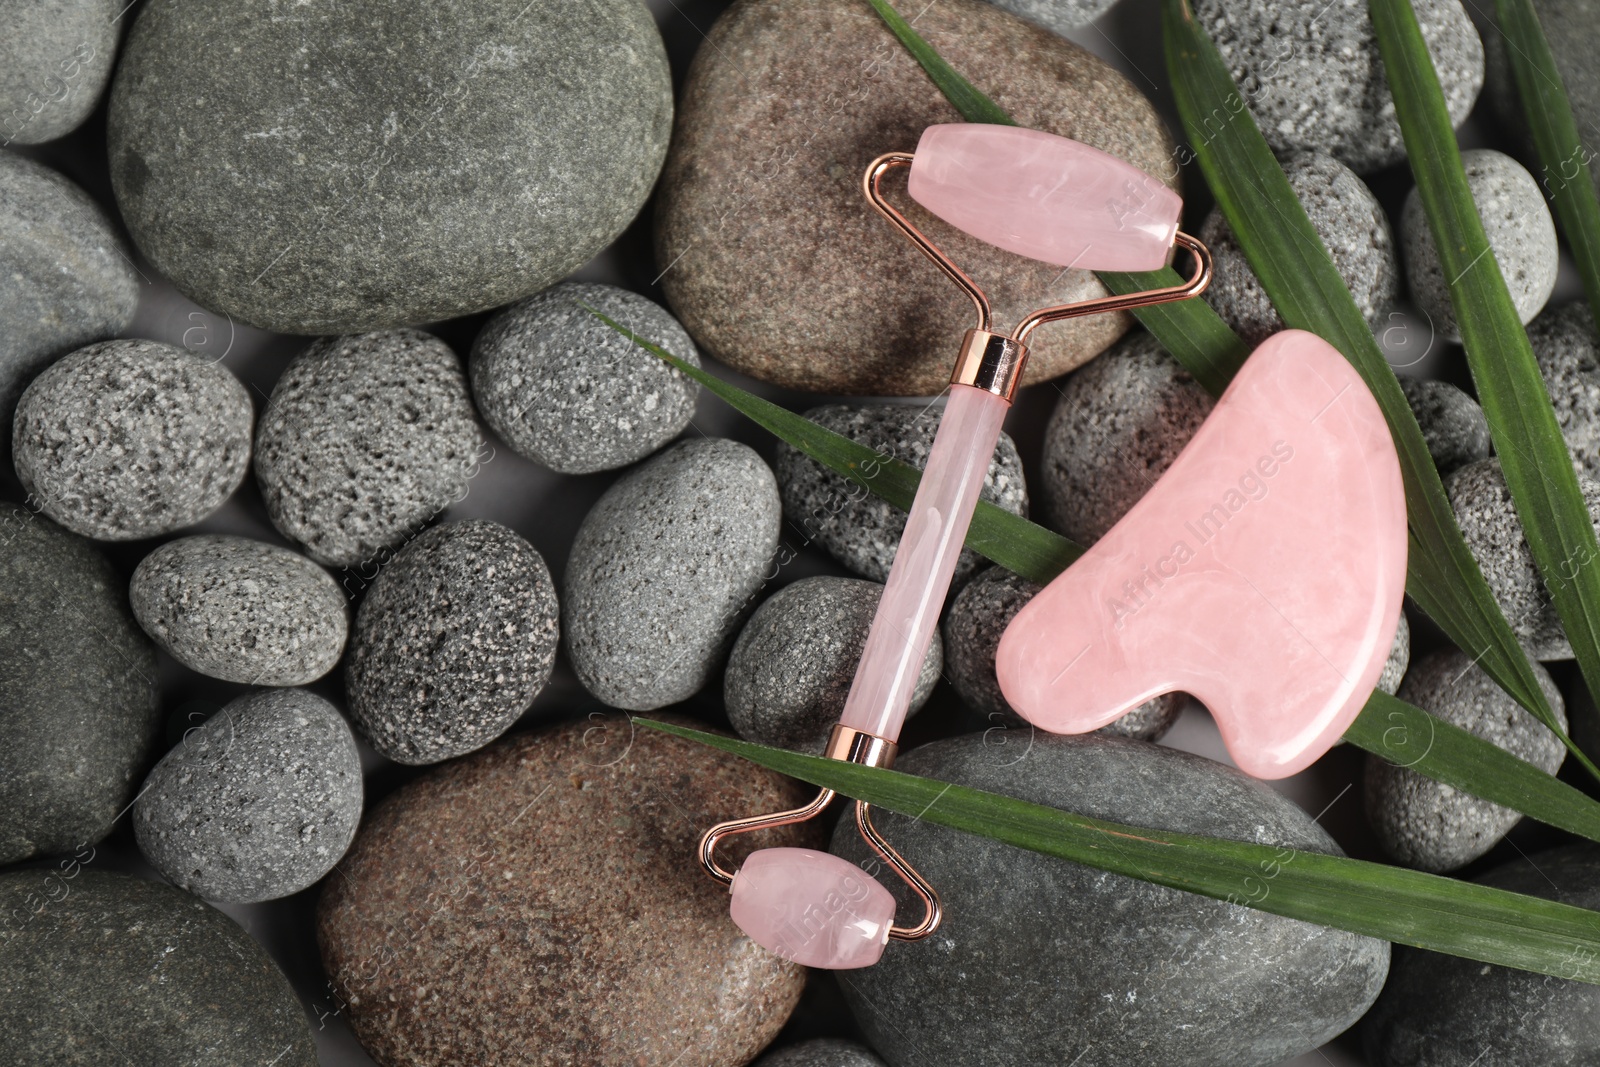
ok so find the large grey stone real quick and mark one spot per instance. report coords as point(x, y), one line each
point(366, 165)
point(55, 58)
point(1568, 350)
point(821, 1052)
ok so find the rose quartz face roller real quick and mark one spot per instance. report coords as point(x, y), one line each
point(1041, 196)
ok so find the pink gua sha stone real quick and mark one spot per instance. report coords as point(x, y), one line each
point(1262, 574)
point(1045, 197)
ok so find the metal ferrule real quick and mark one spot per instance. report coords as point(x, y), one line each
point(992, 362)
point(857, 746)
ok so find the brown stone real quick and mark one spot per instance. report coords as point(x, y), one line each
point(773, 259)
point(540, 902)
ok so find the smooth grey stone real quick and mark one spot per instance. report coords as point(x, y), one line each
point(1453, 425)
point(821, 1052)
point(857, 528)
point(364, 440)
point(1042, 962)
point(566, 390)
point(55, 58)
point(1118, 426)
point(1522, 238)
point(69, 278)
point(103, 968)
point(792, 666)
point(1353, 227)
point(80, 716)
point(663, 570)
point(977, 618)
point(1446, 1011)
point(1312, 77)
point(130, 439)
point(240, 610)
point(258, 803)
point(1568, 350)
point(1483, 507)
point(452, 642)
point(1435, 827)
point(366, 165)
point(1062, 16)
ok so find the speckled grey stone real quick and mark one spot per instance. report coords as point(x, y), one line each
point(365, 439)
point(568, 391)
point(1312, 77)
point(1399, 661)
point(367, 165)
point(1352, 225)
point(79, 716)
point(258, 803)
point(1453, 425)
point(977, 618)
point(1061, 16)
point(845, 519)
point(664, 569)
point(1446, 1011)
point(116, 969)
point(55, 58)
point(1488, 520)
point(240, 610)
point(1568, 350)
point(1521, 235)
point(791, 668)
point(1040, 962)
point(452, 643)
point(821, 1052)
point(131, 439)
point(1435, 827)
point(1118, 426)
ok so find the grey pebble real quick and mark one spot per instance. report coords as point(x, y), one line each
point(1399, 661)
point(1353, 227)
point(821, 1052)
point(1482, 505)
point(80, 717)
point(857, 528)
point(791, 668)
point(117, 969)
point(55, 59)
point(1119, 424)
point(1447, 1011)
point(1568, 350)
point(566, 390)
point(1453, 425)
point(1061, 16)
point(365, 440)
point(240, 610)
point(452, 642)
point(1041, 961)
point(130, 439)
point(977, 618)
point(258, 803)
point(1435, 827)
point(664, 569)
point(1312, 77)
point(1522, 237)
point(1570, 27)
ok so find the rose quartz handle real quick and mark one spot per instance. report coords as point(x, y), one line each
point(1045, 197)
point(924, 562)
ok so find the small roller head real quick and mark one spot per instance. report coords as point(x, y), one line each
point(813, 908)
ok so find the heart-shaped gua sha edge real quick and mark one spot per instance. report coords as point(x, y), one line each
point(1262, 574)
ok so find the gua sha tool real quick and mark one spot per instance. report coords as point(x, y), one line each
point(1042, 196)
point(1262, 574)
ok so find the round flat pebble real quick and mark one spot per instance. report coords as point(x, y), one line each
point(1453, 425)
point(821, 1052)
point(452, 643)
point(1118, 426)
point(1521, 235)
point(1488, 519)
point(240, 610)
point(1353, 227)
point(567, 390)
point(130, 439)
point(1568, 350)
point(845, 519)
point(1435, 827)
point(55, 59)
point(664, 569)
point(258, 803)
point(1312, 77)
point(364, 440)
point(1060, 16)
point(792, 666)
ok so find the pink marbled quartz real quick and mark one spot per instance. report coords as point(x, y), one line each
point(812, 907)
point(1262, 574)
point(1045, 197)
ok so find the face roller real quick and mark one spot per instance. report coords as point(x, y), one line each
point(1041, 196)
